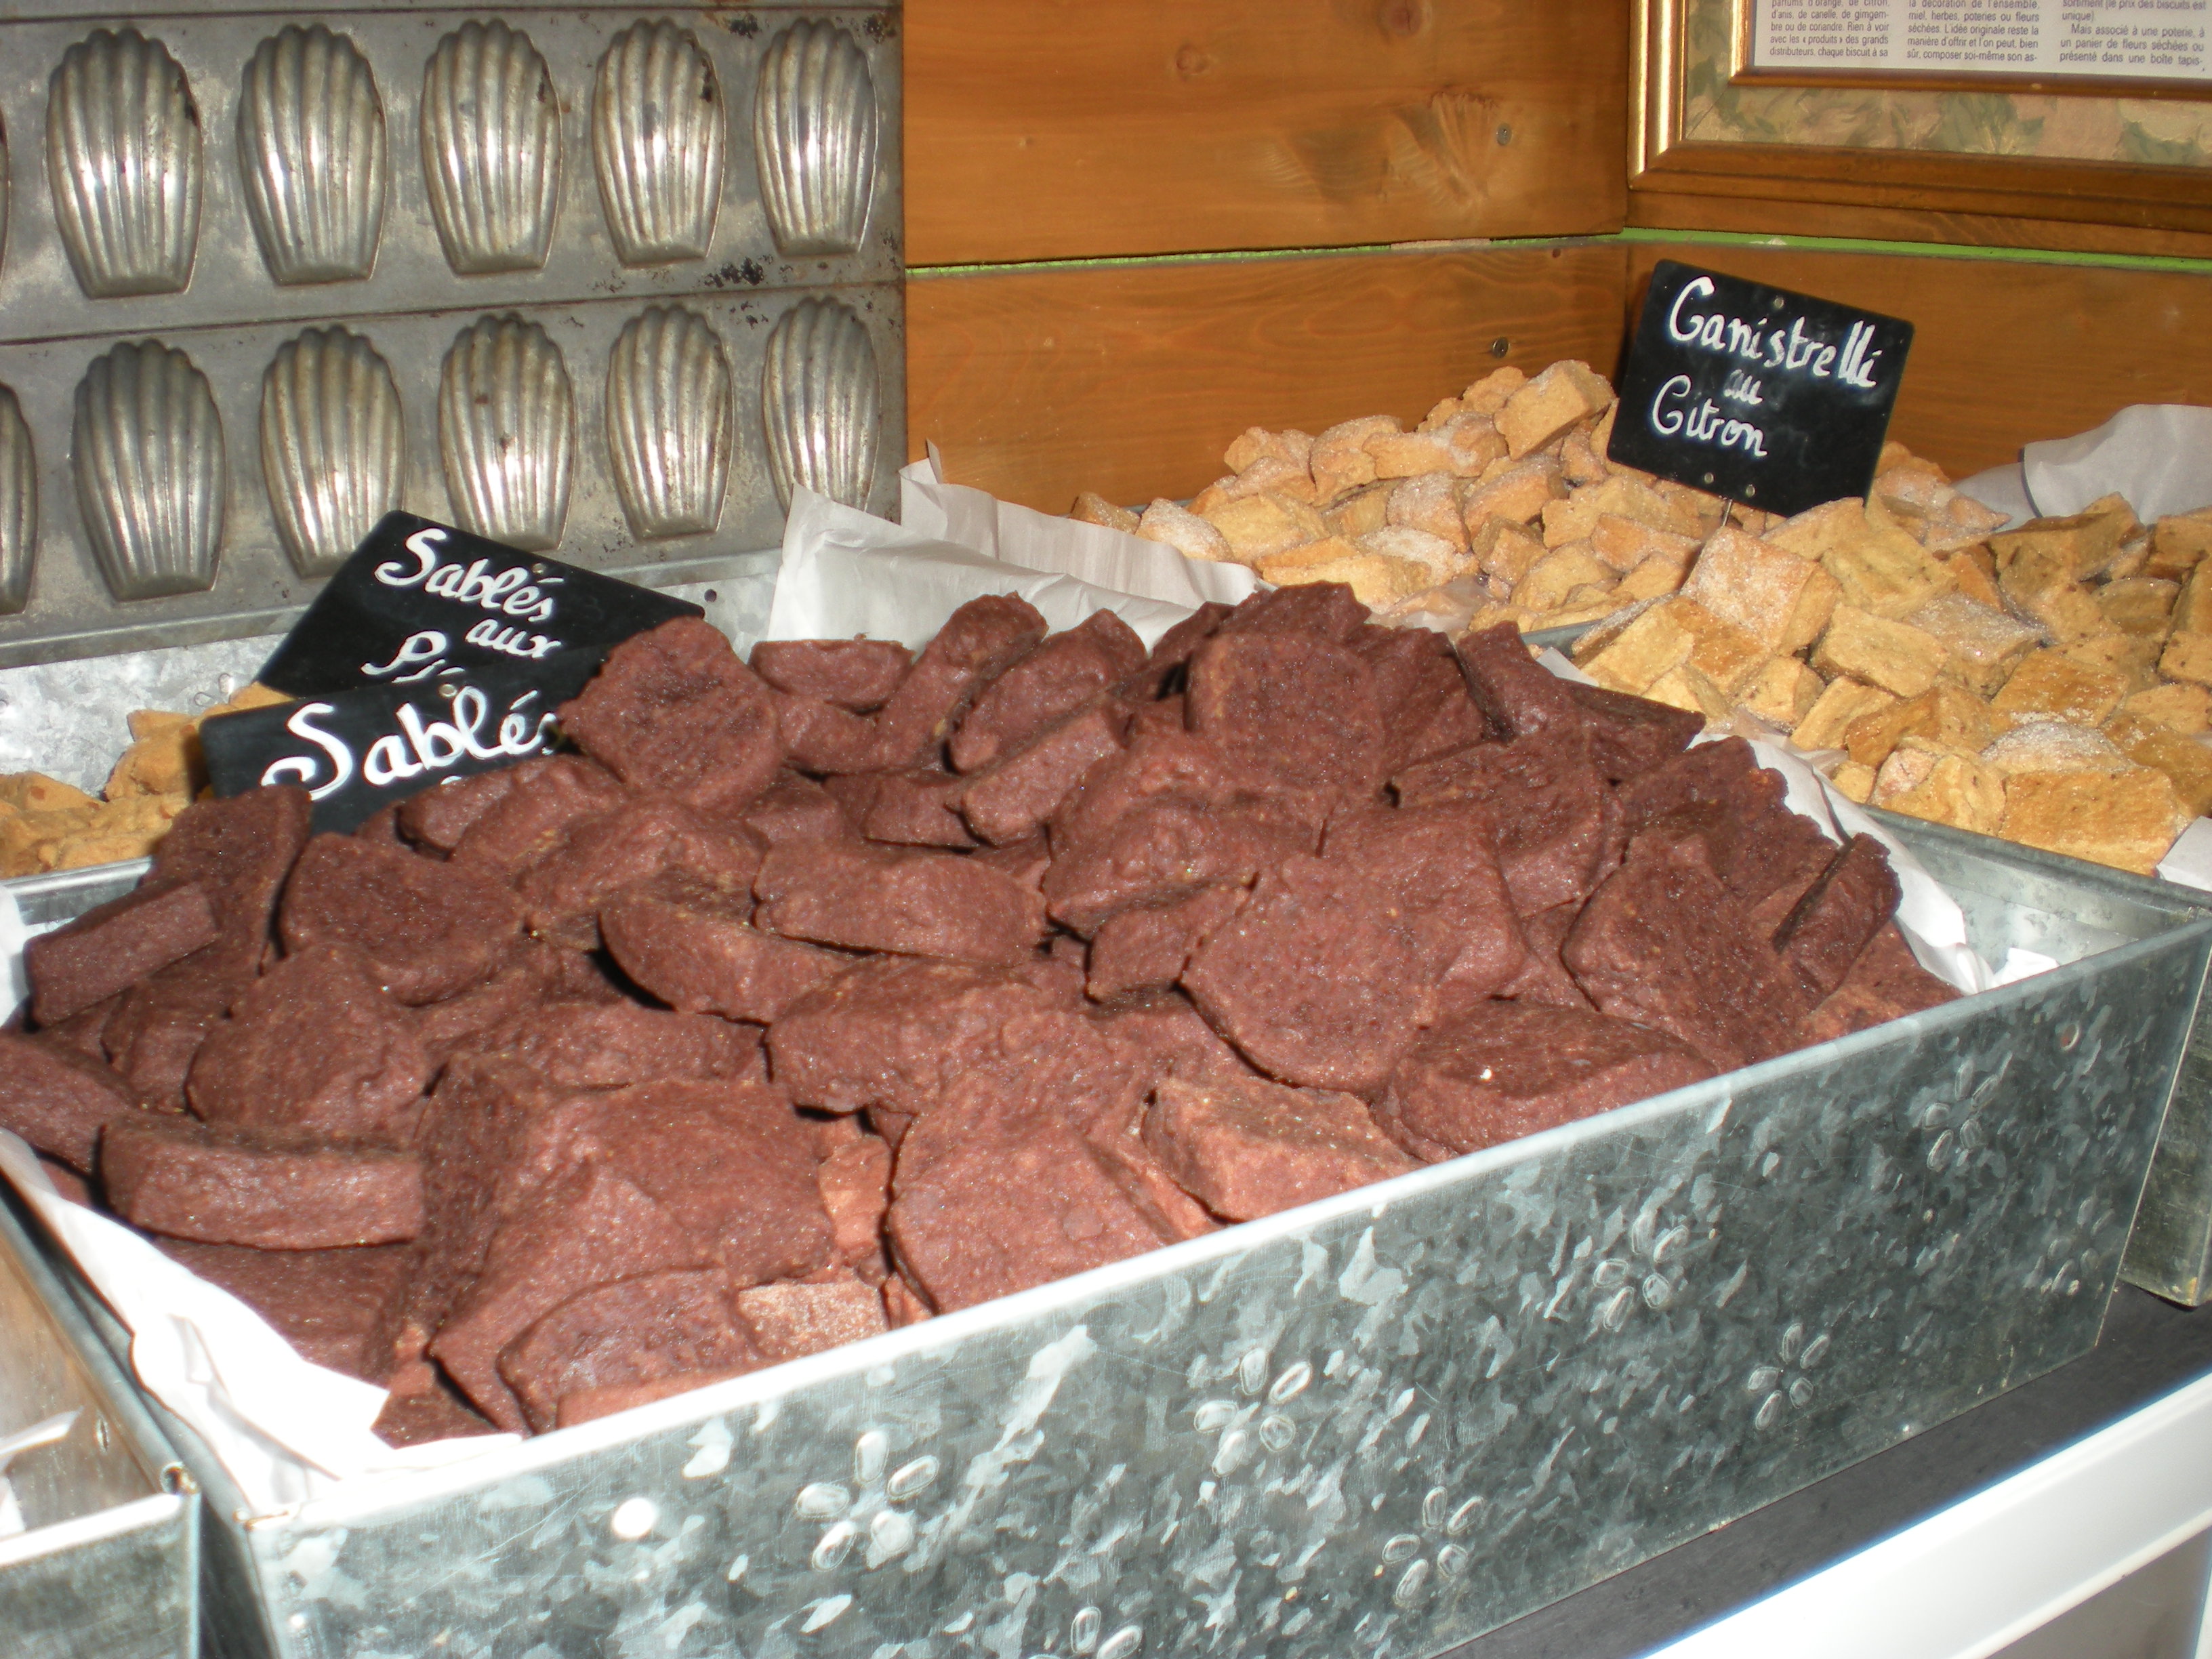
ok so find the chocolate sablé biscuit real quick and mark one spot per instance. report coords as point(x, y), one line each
point(675, 711)
point(240, 852)
point(718, 1043)
point(1420, 692)
point(633, 1331)
point(1314, 981)
point(634, 843)
point(1507, 1069)
point(273, 1188)
point(855, 674)
point(1248, 1147)
point(1439, 863)
point(795, 807)
point(611, 1045)
point(1831, 925)
point(795, 1317)
point(1045, 687)
point(1292, 706)
point(978, 642)
point(917, 807)
point(1162, 848)
point(522, 825)
point(1009, 799)
point(695, 949)
point(58, 1097)
point(338, 1308)
point(911, 902)
point(1146, 946)
point(112, 946)
point(315, 1043)
point(435, 820)
point(427, 930)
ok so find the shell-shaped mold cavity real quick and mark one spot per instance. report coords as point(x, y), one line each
point(820, 402)
point(311, 153)
point(507, 432)
point(814, 125)
point(19, 505)
point(332, 448)
point(659, 131)
point(146, 450)
point(491, 148)
point(668, 426)
point(123, 160)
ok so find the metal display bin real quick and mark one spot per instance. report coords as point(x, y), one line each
point(108, 1566)
point(1381, 1424)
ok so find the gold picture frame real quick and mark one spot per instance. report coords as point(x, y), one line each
point(1705, 124)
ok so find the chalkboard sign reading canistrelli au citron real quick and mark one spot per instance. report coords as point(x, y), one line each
point(1776, 399)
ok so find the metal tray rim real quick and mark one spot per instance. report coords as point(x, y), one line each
point(148, 1514)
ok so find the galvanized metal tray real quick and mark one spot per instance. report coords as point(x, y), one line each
point(1377, 1425)
point(109, 1567)
point(609, 279)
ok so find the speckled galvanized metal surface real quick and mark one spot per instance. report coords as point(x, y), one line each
point(1377, 1425)
point(2170, 1252)
point(108, 1566)
point(243, 318)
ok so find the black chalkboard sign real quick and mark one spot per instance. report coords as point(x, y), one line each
point(356, 752)
point(431, 654)
point(420, 600)
point(1775, 399)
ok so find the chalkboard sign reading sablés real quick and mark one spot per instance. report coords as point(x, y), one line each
point(431, 655)
point(1777, 400)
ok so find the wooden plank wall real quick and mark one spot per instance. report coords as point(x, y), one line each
point(1067, 129)
point(1055, 130)
point(1122, 219)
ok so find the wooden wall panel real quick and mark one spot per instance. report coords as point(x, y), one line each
point(1131, 379)
point(1060, 129)
point(2004, 353)
point(1759, 215)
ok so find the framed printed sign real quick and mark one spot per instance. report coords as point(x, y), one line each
point(2137, 46)
point(2096, 111)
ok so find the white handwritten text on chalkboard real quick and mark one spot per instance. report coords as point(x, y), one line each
point(1770, 349)
point(419, 746)
point(419, 601)
point(1753, 392)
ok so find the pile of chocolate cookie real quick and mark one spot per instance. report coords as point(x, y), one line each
point(821, 994)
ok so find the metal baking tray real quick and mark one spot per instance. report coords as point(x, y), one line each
point(607, 279)
point(1379, 1423)
point(108, 1566)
